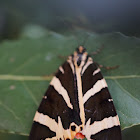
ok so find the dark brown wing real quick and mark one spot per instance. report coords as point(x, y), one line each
point(58, 112)
point(101, 116)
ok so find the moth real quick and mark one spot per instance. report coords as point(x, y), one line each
point(77, 102)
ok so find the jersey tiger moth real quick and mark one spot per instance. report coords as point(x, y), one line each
point(77, 103)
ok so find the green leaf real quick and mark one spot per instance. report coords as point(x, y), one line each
point(25, 63)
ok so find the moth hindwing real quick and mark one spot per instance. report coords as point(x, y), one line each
point(77, 102)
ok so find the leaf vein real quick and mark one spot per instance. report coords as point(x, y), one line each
point(49, 77)
point(25, 63)
point(30, 93)
point(11, 111)
point(125, 91)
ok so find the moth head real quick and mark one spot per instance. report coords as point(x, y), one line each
point(80, 55)
point(80, 50)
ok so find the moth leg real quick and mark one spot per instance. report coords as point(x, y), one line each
point(63, 57)
point(98, 50)
point(49, 76)
point(107, 67)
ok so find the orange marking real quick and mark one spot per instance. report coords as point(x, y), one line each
point(79, 136)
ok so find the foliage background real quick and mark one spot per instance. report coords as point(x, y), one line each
point(27, 21)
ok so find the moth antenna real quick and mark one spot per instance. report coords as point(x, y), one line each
point(85, 40)
point(74, 33)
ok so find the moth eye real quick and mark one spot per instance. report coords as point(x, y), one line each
point(60, 139)
point(67, 139)
point(73, 128)
point(81, 128)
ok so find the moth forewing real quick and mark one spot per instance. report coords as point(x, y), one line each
point(77, 102)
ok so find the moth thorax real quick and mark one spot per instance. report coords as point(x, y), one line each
point(79, 58)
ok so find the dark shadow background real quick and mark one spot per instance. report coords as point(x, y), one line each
point(61, 15)
point(94, 15)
